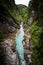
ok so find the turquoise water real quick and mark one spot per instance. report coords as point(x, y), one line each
point(19, 45)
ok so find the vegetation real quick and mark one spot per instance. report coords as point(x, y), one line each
point(11, 8)
point(37, 36)
point(36, 30)
point(37, 6)
point(23, 10)
point(8, 9)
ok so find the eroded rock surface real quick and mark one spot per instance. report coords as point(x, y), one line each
point(9, 54)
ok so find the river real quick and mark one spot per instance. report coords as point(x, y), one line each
point(19, 45)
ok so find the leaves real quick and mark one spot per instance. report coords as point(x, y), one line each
point(23, 10)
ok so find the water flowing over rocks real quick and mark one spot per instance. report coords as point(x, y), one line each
point(10, 55)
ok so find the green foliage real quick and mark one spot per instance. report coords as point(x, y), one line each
point(36, 30)
point(23, 10)
point(37, 5)
point(35, 58)
point(37, 39)
point(11, 8)
point(17, 12)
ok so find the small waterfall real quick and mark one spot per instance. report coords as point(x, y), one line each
point(19, 45)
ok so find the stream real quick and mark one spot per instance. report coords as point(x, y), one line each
point(19, 45)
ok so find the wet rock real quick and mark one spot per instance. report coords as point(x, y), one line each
point(30, 60)
point(30, 20)
point(28, 47)
point(24, 43)
point(10, 55)
point(11, 29)
point(29, 56)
